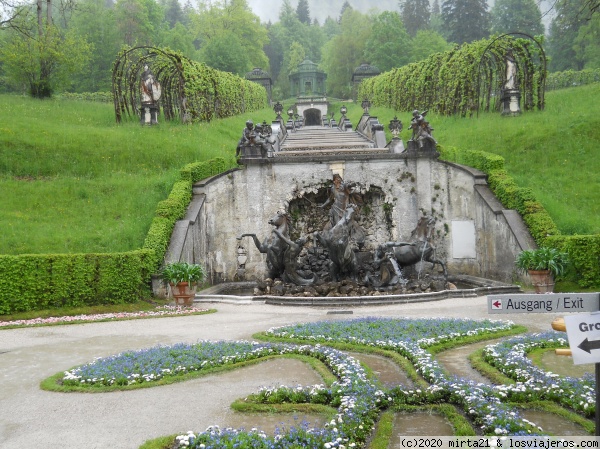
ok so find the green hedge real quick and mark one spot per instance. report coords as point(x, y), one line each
point(570, 78)
point(583, 250)
point(41, 281)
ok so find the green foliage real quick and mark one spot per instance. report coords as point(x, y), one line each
point(465, 20)
point(584, 257)
point(45, 63)
point(570, 78)
point(427, 43)
point(177, 272)
point(461, 80)
point(587, 43)
point(191, 91)
point(226, 53)
point(415, 15)
point(516, 15)
point(214, 20)
point(570, 16)
point(345, 52)
point(100, 97)
point(582, 252)
point(389, 44)
point(35, 282)
point(543, 258)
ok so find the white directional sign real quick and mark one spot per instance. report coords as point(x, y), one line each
point(583, 331)
point(547, 303)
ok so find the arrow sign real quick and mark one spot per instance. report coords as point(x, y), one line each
point(588, 345)
point(583, 331)
point(497, 304)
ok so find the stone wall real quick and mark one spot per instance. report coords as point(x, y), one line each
point(474, 234)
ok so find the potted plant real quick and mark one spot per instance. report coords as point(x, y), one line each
point(183, 278)
point(543, 265)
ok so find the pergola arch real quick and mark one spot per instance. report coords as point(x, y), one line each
point(191, 91)
point(531, 71)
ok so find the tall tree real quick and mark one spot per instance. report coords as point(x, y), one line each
point(426, 43)
point(38, 54)
point(43, 63)
point(389, 43)
point(139, 22)
point(571, 15)
point(415, 15)
point(345, 7)
point(95, 20)
point(587, 43)
point(516, 15)
point(225, 52)
point(465, 20)
point(303, 12)
point(226, 17)
point(435, 20)
point(345, 52)
point(174, 13)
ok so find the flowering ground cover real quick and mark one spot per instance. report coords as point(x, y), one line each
point(162, 311)
point(358, 398)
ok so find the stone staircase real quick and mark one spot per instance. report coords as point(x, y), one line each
point(322, 138)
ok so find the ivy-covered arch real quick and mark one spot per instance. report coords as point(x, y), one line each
point(530, 61)
point(191, 91)
point(463, 80)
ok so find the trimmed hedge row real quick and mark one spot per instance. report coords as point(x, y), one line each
point(570, 78)
point(42, 281)
point(583, 250)
point(175, 206)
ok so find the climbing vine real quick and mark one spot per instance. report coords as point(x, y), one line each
point(191, 91)
point(464, 80)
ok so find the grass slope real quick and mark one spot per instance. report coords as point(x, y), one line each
point(554, 151)
point(75, 181)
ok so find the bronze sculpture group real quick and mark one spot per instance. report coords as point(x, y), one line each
point(341, 237)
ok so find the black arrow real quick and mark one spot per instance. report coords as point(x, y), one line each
point(587, 345)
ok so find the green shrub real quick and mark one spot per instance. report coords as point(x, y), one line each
point(40, 281)
point(582, 251)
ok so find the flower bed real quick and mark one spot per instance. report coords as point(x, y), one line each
point(162, 311)
point(358, 398)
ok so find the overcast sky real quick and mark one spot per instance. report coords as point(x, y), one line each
point(269, 9)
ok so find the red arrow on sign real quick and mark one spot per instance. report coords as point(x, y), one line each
point(497, 304)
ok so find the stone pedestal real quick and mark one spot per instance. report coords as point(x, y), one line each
point(511, 102)
point(149, 114)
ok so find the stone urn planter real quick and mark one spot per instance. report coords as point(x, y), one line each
point(543, 265)
point(183, 278)
point(542, 280)
point(184, 293)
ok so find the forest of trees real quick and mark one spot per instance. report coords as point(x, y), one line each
point(49, 46)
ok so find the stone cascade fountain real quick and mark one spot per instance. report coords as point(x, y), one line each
point(321, 223)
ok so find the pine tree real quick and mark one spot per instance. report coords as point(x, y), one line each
point(415, 15)
point(517, 15)
point(303, 12)
point(345, 6)
point(465, 20)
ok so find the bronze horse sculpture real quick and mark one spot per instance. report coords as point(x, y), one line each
point(337, 241)
point(405, 254)
point(273, 246)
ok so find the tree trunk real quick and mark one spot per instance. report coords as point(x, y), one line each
point(48, 13)
point(40, 18)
